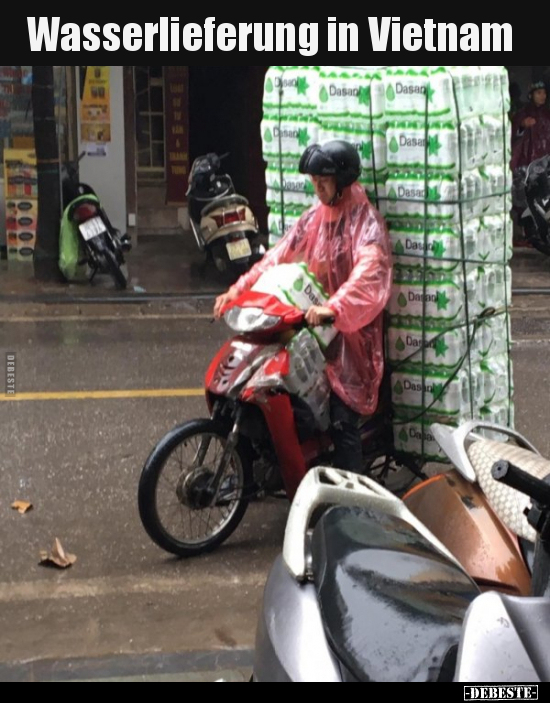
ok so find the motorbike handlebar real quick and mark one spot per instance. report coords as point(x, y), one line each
point(510, 475)
point(304, 324)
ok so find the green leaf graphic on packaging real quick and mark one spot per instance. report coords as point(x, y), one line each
point(439, 249)
point(323, 95)
point(403, 436)
point(269, 86)
point(402, 301)
point(394, 145)
point(434, 145)
point(399, 248)
point(299, 285)
point(268, 137)
point(364, 95)
point(430, 92)
point(400, 345)
point(390, 93)
point(274, 229)
point(309, 188)
point(441, 348)
point(398, 388)
point(302, 86)
point(276, 185)
point(443, 300)
point(437, 390)
point(392, 195)
point(433, 194)
point(366, 150)
point(303, 137)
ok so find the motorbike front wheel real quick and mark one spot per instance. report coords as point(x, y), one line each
point(176, 504)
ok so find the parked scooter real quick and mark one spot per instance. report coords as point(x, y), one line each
point(365, 591)
point(536, 194)
point(223, 223)
point(268, 425)
point(89, 244)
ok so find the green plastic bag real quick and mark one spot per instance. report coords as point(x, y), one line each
point(71, 249)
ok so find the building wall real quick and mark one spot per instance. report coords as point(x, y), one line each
point(107, 174)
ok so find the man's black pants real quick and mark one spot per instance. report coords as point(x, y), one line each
point(348, 451)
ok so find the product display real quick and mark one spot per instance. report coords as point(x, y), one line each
point(21, 195)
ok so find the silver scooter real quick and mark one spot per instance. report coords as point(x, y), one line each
point(363, 591)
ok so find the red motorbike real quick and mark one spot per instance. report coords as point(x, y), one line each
point(269, 423)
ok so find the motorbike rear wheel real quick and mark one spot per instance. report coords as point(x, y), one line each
point(114, 269)
point(175, 504)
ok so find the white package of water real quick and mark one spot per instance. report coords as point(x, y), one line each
point(370, 144)
point(288, 136)
point(445, 394)
point(431, 247)
point(350, 91)
point(440, 196)
point(436, 92)
point(446, 347)
point(295, 285)
point(292, 88)
point(420, 145)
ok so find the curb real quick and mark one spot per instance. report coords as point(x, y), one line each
point(126, 666)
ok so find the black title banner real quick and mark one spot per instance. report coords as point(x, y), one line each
point(277, 40)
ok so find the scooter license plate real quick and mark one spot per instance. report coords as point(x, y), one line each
point(92, 228)
point(239, 249)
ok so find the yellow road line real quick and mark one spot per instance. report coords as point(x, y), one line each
point(106, 395)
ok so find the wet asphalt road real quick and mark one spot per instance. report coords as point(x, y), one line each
point(79, 461)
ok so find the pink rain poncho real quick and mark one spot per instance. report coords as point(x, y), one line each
point(348, 248)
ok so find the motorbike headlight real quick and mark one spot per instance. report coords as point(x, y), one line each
point(250, 320)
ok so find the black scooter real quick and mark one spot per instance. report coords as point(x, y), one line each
point(224, 226)
point(535, 219)
point(88, 239)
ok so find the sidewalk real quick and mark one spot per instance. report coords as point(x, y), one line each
point(170, 265)
point(168, 275)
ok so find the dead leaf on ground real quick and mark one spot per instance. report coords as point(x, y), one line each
point(22, 506)
point(57, 557)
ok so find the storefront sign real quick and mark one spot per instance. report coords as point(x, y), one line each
point(177, 133)
point(95, 110)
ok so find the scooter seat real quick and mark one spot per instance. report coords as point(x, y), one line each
point(508, 503)
point(224, 202)
point(392, 604)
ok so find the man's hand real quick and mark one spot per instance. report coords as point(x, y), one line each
point(223, 301)
point(318, 315)
point(529, 122)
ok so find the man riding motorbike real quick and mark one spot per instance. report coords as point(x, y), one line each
point(344, 241)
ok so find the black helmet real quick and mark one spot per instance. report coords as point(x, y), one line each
point(539, 85)
point(336, 158)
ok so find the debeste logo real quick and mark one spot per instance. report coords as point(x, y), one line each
point(509, 693)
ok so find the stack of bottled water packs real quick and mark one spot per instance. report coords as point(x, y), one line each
point(304, 105)
point(435, 147)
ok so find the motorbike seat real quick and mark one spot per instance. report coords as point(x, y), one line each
point(508, 503)
point(392, 604)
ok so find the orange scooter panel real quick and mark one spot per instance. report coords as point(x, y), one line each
point(459, 515)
